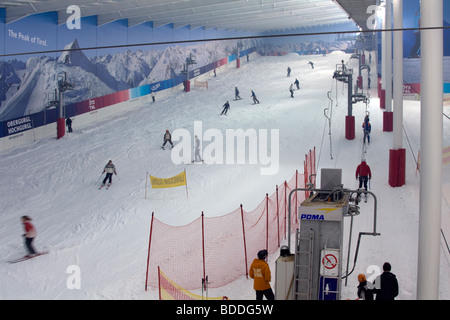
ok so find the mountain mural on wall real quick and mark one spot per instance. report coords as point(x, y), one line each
point(31, 87)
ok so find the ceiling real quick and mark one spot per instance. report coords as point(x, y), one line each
point(243, 15)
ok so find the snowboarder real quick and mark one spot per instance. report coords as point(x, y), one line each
point(255, 100)
point(291, 90)
point(226, 106)
point(364, 293)
point(109, 169)
point(289, 71)
point(363, 173)
point(297, 83)
point(386, 285)
point(198, 158)
point(29, 235)
point(366, 128)
point(260, 273)
point(167, 138)
point(312, 64)
point(69, 124)
point(236, 94)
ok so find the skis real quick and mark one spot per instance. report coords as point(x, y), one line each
point(28, 257)
point(107, 186)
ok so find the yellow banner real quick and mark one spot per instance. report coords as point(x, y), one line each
point(175, 181)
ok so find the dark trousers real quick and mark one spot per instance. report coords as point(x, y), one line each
point(268, 293)
point(29, 245)
point(108, 176)
point(167, 140)
point(363, 180)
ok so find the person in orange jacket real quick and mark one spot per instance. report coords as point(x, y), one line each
point(260, 273)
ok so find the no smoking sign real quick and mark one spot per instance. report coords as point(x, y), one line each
point(329, 262)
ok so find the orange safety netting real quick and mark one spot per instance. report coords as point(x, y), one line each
point(223, 248)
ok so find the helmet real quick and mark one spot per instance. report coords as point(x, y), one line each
point(262, 254)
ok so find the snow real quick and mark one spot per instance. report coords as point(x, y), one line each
point(104, 234)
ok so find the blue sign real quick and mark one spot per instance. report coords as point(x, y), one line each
point(328, 290)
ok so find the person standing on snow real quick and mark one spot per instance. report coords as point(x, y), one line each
point(364, 293)
point(167, 138)
point(110, 169)
point(69, 124)
point(291, 90)
point(198, 158)
point(289, 71)
point(386, 285)
point(297, 83)
point(363, 173)
point(226, 106)
point(29, 235)
point(260, 273)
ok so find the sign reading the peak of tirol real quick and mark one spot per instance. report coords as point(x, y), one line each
point(27, 37)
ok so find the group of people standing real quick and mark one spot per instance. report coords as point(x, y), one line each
point(296, 83)
point(385, 286)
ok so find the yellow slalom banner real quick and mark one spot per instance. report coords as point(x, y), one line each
point(175, 181)
point(172, 182)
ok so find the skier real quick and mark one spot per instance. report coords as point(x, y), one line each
point(69, 124)
point(153, 95)
point(198, 158)
point(29, 235)
point(289, 71)
point(167, 138)
point(255, 100)
point(312, 64)
point(364, 293)
point(363, 173)
point(260, 273)
point(366, 128)
point(109, 169)
point(226, 106)
point(297, 83)
point(291, 90)
point(236, 94)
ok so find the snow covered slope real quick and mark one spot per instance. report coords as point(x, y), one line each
point(105, 233)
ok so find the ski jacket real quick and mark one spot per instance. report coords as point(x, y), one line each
point(364, 292)
point(386, 286)
point(167, 136)
point(110, 168)
point(366, 126)
point(363, 170)
point(260, 272)
point(30, 230)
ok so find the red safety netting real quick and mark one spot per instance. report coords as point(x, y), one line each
point(221, 249)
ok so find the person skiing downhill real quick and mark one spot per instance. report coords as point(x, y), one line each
point(29, 235)
point(110, 169)
point(255, 100)
point(297, 84)
point(236, 94)
point(167, 138)
point(226, 107)
point(291, 90)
